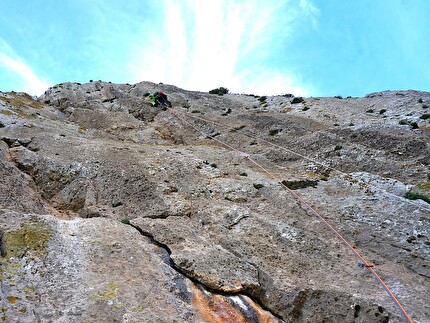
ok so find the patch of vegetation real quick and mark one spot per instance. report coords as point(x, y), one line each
point(370, 111)
point(425, 106)
point(273, 132)
point(213, 165)
point(22, 101)
point(297, 99)
point(305, 108)
point(146, 94)
point(382, 111)
point(262, 98)
point(108, 294)
point(351, 124)
point(258, 186)
point(420, 100)
point(219, 91)
point(414, 125)
point(338, 147)
point(2, 125)
point(243, 174)
point(417, 196)
point(403, 122)
point(424, 185)
point(425, 116)
point(125, 221)
point(336, 125)
point(295, 185)
point(338, 97)
point(196, 111)
point(30, 240)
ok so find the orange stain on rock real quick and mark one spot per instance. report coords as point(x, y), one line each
point(213, 308)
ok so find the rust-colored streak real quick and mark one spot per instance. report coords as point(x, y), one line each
point(215, 308)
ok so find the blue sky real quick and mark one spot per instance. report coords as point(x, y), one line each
point(304, 47)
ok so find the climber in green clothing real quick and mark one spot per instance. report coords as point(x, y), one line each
point(160, 99)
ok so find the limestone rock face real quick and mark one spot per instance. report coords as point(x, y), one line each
point(113, 210)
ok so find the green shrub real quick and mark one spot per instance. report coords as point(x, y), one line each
point(370, 111)
point(425, 106)
point(273, 132)
point(258, 186)
point(414, 125)
point(425, 116)
point(305, 108)
point(243, 174)
point(417, 196)
point(125, 221)
point(2, 125)
point(262, 98)
point(295, 185)
point(420, 100)
point(338, 147)
point(195, 111)
point(382, 111)
point(338, 97)
point(403, 122)
point(219, 91)
point(298, 99)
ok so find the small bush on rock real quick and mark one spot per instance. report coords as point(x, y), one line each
point(295, 185)
point(219, 91)
point(298, 99)
point(417, 196)
point(273, 132)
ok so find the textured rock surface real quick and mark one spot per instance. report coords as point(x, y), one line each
point(116, 211)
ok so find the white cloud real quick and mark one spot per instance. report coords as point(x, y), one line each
point(207, 44)
point(22, 75)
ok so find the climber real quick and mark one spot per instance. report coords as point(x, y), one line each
point(160, 99)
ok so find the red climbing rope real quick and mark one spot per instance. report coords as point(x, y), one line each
point(307, 205)
point(411, 202)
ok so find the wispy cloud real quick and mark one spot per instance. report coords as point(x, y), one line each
point(207, 44)
point(22, 76)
